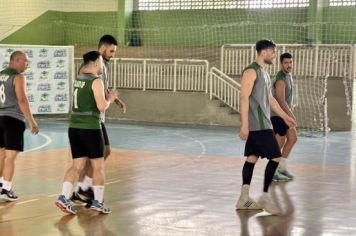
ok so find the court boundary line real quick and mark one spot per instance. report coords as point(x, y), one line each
point(47, 142)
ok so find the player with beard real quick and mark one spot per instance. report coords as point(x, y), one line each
point(107, 47)
point(282, 91)
point(256, 100)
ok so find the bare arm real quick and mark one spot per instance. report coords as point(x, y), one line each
point(280, 97)
point(121, 104)
point(247, 82)
point(20, 90)
point(101, 102)
point(290, 121)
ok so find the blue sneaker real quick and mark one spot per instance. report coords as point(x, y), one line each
point(96, 205)
point(65, 205)
point(286, 173)
point(279, 177)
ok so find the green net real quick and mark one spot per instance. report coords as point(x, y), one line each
point(197, 29)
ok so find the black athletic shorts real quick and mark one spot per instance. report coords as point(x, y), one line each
point(105, 134)
point(11, 133)
point(262, 144)
point(279, 126)
point(86, 143)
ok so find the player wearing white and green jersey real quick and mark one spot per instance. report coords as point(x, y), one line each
point(85, 134)
point(107, 48)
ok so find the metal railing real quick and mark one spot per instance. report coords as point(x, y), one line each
point(224, 88)
point(158, 74)
point(314, 66)
point(324, 60)
point(319, 61)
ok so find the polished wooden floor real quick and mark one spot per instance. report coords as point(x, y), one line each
point(171, 193)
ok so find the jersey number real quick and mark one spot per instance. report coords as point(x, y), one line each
point(2, 93)
point(75, 98)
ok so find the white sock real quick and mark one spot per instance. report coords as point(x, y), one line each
point(67, 189)
point(1, 179)
point(79, 185)
point(245, 191)
point(87, 183)
point(99, 193)
point(7, 185)
point(283, 163)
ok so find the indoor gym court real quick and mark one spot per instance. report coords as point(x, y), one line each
point(184, 181)
point(176, 161)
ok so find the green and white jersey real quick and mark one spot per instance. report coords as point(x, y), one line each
point(288, 92)
point(85, 114)
point(259, 108)
point(8, 100)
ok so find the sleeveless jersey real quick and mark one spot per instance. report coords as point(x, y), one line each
point(288, 92)
point(8, 101)
point(85, 114)
point(259, 108)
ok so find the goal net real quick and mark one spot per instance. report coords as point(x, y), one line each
point(196, 29)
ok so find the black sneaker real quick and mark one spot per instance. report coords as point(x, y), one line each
point(87, 195)
point(0, 185)
point(76, 198)
point(8, 195)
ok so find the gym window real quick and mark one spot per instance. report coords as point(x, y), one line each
point(154, 5)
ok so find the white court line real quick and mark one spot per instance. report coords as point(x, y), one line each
point(20, 203)
point(112, 182)
point(48, 141)
point(53, 195)
point(203, 148)
point(24, 202)
point(327, 183)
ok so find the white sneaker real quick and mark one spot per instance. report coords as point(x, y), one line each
point(267, 204)
point(245, 202)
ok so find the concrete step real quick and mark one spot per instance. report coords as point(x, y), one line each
point(222, 104)
point(170, 107)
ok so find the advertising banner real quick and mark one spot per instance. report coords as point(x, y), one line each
point(48, 76)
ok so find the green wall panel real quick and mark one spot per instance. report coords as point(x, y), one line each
point(44, 30)
point(216, 27)
point(63, 28)
point(339, 25)
point(85, 28)
point(189, 28)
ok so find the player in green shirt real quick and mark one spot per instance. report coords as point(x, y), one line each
point(107, 47)
point(85, 134)
point(282, 91)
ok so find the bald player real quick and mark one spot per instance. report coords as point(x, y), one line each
point(14, 110)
